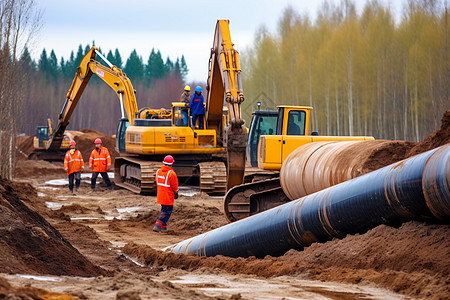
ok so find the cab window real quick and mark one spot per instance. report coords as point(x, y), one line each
point(266, 125)
point(178, 116)
point(296, 122)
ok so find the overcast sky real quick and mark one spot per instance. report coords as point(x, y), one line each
point(175, 27)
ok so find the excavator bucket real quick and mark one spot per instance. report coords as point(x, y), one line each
point(236, 144)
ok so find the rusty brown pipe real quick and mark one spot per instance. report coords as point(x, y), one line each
point(316, 166)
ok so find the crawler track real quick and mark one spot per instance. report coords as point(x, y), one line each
point(213, 177)
point(135, 174)
point(138, 175)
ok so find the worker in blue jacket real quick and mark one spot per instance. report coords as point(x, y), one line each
point(197, 107)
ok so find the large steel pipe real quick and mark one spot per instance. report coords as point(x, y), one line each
point(317, 166)
point(416, 188)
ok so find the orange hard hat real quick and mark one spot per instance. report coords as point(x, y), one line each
point(97, 141)
point(168, 160)
point(72, 143)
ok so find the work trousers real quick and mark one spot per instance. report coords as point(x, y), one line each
point(105, 179)
point(200, 118)
point(77, 177)
point(166, 211)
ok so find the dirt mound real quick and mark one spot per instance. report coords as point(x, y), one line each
point(41, 247)
point(85, 143)
point(368, 156)
point(413, 247)
point(7, 291)
point(196, 219)
point(25, 144)
point(372, 155)
point(28, 168)
point(438, 138)
point(412, 260)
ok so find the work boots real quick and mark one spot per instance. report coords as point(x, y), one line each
point(158, 228)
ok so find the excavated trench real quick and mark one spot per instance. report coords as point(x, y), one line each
point(95, 237)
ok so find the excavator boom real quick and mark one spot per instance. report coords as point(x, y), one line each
point(224, 83)
point(113, 76)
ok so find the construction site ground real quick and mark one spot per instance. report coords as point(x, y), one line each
point(100, 245)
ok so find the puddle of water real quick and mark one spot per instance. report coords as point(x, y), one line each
point(124, 213)
point(278, 288)
point(53, 205)
point(88, 175)
point(64, 181)
point(56, 182)
point(188, 191)
point(133, 261)
point(40, 278)
point(130, 209)
point(118, 244)
point(48, 188)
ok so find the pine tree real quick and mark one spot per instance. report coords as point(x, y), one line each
point(53, 65)
point(183, 68)
point(110, 57)
point(26, 62)
point(43, 64)
point(168, 66)
point(134, 68)
point(69, 67)
point(155, 66)
point(118, 59)
point(78, 57)
point(176, 68)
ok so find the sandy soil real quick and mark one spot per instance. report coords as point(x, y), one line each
point(55, 245)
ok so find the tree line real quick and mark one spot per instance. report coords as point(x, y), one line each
point(364, 74)
point(134, 66)
point(157, 84)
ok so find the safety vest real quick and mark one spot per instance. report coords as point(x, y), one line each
point(166, 184)
point(73, 162)
point(100, 160)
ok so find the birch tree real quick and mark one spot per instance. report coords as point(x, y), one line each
point(19, 21)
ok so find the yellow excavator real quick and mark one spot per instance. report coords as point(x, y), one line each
point(273, 135)
point(41, 138)
point(215, 156)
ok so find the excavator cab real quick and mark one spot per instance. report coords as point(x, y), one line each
point(288, 120)
point(180, 114)
point(264, 122)
point(43, 133)
point(41, 136)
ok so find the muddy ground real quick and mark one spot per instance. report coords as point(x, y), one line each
point(55, 245)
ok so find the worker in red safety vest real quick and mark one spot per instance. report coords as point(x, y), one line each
point(73, 165)
point(99, 162)
point(166, 191)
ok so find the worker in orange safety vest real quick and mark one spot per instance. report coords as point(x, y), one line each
point(166, 191)
point(73, 165)
point(99, 162)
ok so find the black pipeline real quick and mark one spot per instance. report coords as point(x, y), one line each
point(415, 188)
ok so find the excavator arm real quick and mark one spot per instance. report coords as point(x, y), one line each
point(113, 76)
point(224, 81)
